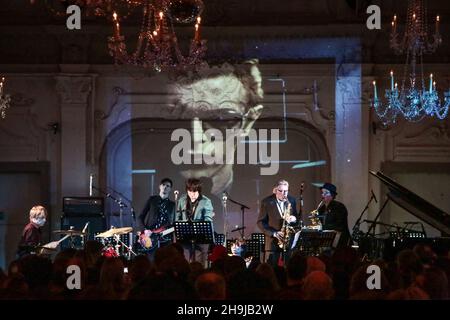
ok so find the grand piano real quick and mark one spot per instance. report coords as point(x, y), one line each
point(400, 238)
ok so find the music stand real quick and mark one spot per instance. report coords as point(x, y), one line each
point(313, 242)
point(194, 232)
point(261, 238)
point(254, 248)
point(219, 239)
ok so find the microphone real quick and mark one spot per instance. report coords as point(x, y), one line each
point(373, 195)
point(224, 198)
point(91, 178)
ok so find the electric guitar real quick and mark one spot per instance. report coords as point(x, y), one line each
point(151, 239)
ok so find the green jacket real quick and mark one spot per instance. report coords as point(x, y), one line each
point(203, 212)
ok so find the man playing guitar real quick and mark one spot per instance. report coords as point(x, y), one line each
point(155, 220)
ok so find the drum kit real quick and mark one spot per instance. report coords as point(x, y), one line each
point(114, 244)
point(114, 241)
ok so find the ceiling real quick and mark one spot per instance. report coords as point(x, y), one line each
point(31, 34)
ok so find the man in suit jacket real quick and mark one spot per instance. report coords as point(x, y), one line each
point(270, 220)
point(194, 206)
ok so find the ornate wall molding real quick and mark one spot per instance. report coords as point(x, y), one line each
point(74, 89)
point(427, 142)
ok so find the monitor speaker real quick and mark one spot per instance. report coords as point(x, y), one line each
point(83, 206)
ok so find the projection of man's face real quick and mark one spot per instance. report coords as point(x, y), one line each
point(220, 102)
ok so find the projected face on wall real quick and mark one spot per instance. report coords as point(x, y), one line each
point(222, 105)
point(216, 112)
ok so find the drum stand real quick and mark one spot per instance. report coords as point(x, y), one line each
point(129, 249)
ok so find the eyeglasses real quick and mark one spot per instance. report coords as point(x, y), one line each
point(326, 193)
point(282, 191)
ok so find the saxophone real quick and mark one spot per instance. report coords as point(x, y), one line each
point(286, 229)
point(315, 221)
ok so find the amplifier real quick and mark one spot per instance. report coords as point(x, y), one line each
point(83, 206)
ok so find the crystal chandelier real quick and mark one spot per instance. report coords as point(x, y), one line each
point(413, 100)
point(4, 100)
point(157, 44)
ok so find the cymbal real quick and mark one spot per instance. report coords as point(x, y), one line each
point(113, 231)
point(70, 232)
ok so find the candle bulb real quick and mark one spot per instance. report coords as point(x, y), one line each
point(116, 26)
point(161, 24)
point(197, 29)
point(392, 80)
point(437, 24)
point(431, 82)
point(375, 90)
point(196, 32)
point(396, 85)
point(434, 85)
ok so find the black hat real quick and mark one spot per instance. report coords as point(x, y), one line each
point(330, 187)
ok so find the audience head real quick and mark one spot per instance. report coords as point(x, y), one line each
point(211, 286)
point(317, 286)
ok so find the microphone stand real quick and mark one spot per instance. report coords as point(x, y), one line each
point(129, 249)
point(243, 207)
point(225, 223)
point(129, 201)
point(118, 201)
point(356, 233)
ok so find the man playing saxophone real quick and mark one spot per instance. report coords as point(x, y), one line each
point(274, 209)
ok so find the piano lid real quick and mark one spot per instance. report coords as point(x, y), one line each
point(416, 205)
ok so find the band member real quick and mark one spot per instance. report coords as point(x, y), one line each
point(334, 214)
point(31, 234)
point(270, 220)
point(157, 215)
point(194, 206)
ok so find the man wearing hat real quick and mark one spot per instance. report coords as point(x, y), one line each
point(334, 214)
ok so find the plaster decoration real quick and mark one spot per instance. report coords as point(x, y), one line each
point(74, 89)
point(19, 100)
point(21, 139)
point(429, 142)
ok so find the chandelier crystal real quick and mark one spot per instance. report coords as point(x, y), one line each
point(413, 100)
point(5, 99)
point(157, 43)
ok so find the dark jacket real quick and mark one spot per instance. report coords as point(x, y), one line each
point(31, 238)
point(150, 214)
point(335, 218)
point(269, 220)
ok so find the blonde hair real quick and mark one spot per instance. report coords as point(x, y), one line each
point(280, 183)
point(38, 212)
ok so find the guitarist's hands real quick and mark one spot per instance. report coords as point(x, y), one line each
point(144, 238)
